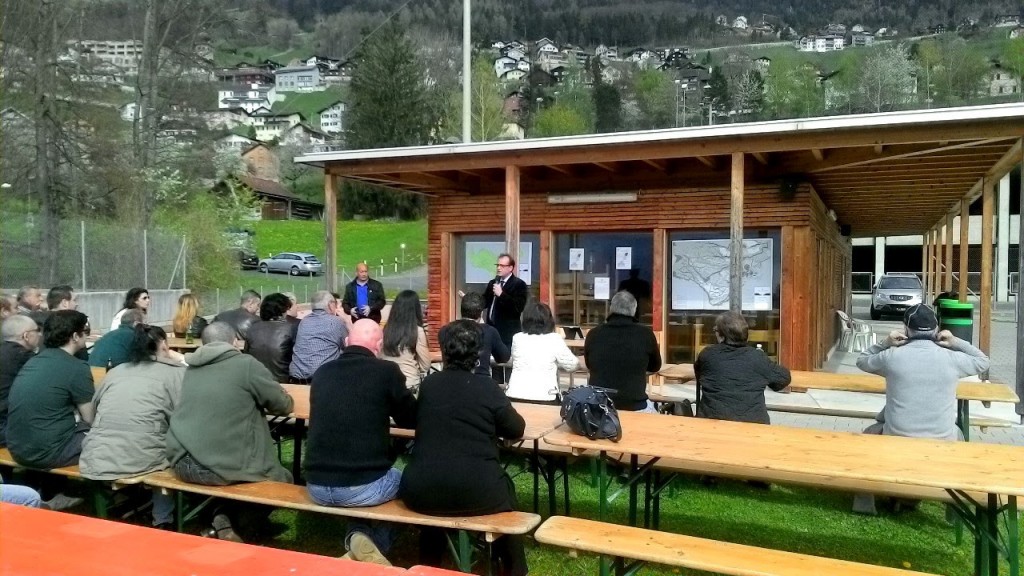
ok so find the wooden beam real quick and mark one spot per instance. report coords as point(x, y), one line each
point(879, 149)
point(331, 185)
point(761, 157)
point(512, 211)
point(1008, 161)
point(659, 312)
point(736, 234)
point(563, 170)
point(965, 229)
point(929, 261)
point(818, 154)
point(449, 302)
point(985, 294)
point(659, 165)
point(606, 166)
point(547, 270)
point(840, 159)
point(925, 261)
point(708, 161)
point(947, 285)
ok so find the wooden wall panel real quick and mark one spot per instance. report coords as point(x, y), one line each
point(659, 277)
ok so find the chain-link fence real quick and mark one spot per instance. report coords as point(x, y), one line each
point(88, 255)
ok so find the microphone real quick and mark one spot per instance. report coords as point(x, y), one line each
point(497, 279)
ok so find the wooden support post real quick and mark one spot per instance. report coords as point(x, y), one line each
point(331, 185)
point(924, 262)
point(659, 274)
point(985, 294)
point(947, 285)
point(736, 235)
point(512, 211)
point(929, 261)
point(965, 231)
point(447, 290)
point(547, 270)
point(936, 263)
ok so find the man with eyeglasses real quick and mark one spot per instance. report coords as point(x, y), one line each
point(20, 340)
point(504, 299)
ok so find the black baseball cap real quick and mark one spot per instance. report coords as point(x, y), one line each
point(920, 318)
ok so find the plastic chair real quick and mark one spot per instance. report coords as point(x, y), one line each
point(845, 339)
point(863, 336)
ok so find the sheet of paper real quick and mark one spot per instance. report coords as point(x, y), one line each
point(576, 259)
point(762, 298)
point(623, 257)
point(602, 288)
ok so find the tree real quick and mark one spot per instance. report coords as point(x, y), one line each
point(959, 78)
point(928, 57)
point(559, 119)
point(792, 89)
point(748, 95)
point(718, 92)
point(487, 105)
point(607, 108)
point(654, 93)
point(886, 80)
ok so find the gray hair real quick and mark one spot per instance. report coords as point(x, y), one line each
point(25, 290)
point(219, 332)
point(322, 300)
point(14, 326)
point(622, 303)
point(133, 316)
point(250, 296)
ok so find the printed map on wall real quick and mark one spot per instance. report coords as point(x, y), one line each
point(481, 256)
point(700, 273)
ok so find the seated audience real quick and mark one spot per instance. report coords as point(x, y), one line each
point(733, 375)
point(537, 355)
point(472, 308)
point(113, 348)
point(21, 338)
point(62, 297)
point(292, 315)
point(29, 300)
point(922, 367)
point(19, 495)
point(219, 435)
point(272, 337)
point(405, 342)
point(8, 306)
point(41, 427)
point(133, 410)
point(620, 353)
point(243, 316)
point(187, 319)
point(348, 457)
point(134, 299)
point(319, 339)
point(455, 469)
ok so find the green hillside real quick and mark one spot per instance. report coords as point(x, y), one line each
point(357, 241)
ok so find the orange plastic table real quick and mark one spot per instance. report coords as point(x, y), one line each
point(36, 541)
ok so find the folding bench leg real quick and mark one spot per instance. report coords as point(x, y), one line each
point(100, 501)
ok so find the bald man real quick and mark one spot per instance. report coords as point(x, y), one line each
point(348, 457)
point(364, 296)
point(21, 337)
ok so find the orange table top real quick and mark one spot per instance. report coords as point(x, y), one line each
point(431, 571)
point(90, 547)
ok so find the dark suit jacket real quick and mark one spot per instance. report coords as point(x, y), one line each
point(374, 297)
point(508, 308)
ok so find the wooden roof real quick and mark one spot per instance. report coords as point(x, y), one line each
point(883, 174)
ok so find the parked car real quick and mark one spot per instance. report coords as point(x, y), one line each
point(894, 293)
point(248, 260)
point(294, 263)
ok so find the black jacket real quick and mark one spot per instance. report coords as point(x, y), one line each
point(196, 327)
point(240, 318)
point(619, 354)
point(271, 342)
point(508, 308)
point(732, 380)
point(454, 468)
point(12, 357)
point(374, 298)
point(490, 346)
point(351, 401)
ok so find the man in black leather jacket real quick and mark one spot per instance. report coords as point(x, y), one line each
point(272, 337)
point(243, 316)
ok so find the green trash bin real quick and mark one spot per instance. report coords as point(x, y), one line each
point(958, 318)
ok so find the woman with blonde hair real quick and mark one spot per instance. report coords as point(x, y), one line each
point(187, 318)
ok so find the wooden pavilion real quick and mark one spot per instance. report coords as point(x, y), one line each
point(794, 191)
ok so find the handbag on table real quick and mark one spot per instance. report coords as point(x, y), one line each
point(590, 412)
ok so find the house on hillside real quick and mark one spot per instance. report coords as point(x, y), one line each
point(262, 162)
point(616, 72)
point(1007, 21)
point(1017, 32)
point(331, 118)
point(305, 136)
point(238, 140)
point(503, 65)
point(826, 43)
point(1002, 82)
point(762, 64)
point(540, 78)
point(225, 119)
point(298, 79)
point(277, 202)
point(862, 39)
point(514, 105)
point(545, 46)
point(247, 97)
point(514, 75)
point(245, 75)
point(722, 20)
point(740, 23)
point(514, 53)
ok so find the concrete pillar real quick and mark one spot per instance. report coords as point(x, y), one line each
point(879, 259)
point(1003, 241)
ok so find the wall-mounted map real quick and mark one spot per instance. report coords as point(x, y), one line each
point(481, 257)
point(700, 274)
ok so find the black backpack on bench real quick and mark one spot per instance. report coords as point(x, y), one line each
point(590, 412)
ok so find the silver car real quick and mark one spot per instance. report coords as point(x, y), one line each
point(894, 293)
point(294, 263)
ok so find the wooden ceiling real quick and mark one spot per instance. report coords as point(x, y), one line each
point(882, 179)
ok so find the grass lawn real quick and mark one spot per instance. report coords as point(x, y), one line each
point(795, 519)
point(357, 241)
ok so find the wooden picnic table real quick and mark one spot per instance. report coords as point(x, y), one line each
point(43, 542)
point(966, 391)
point(179, 344)
point(819, 456)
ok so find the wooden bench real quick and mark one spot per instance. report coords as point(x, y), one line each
point(97, 488)
point(295, 497)
point(643, 545)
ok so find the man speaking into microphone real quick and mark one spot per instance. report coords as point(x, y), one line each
point(504, 300)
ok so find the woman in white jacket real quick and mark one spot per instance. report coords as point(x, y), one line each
point(537, 355)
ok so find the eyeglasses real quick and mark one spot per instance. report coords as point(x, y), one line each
point(500, 265)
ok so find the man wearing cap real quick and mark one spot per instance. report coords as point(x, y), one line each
point(921, 366)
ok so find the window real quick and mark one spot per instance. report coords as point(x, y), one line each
point(576, 280)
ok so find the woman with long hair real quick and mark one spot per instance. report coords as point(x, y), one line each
point(133, 406)
point(405, 342)
point(134, 298)
point(187, 318)
point(537, 354)
point(455, 469)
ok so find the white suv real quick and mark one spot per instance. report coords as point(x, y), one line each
point(894, 293)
